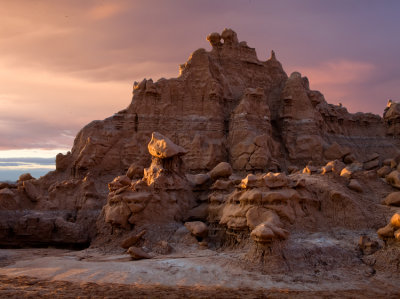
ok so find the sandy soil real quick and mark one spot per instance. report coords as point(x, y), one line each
point(50, 273)
point(28, 287)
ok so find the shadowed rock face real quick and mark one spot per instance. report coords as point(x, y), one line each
point(226, 105)
point(391, 116)
point(163, 195)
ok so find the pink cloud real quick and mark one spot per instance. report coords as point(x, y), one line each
point(338, 72)
point(340, 81)
point(105, 11)
point(40, 109)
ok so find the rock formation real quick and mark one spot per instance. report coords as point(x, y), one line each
point(245, 156)
point(163, 195)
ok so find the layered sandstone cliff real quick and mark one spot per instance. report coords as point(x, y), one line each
point(225, 106)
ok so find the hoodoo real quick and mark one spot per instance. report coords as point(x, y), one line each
point(233, 154)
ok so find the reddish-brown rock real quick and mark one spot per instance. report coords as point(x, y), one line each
point(162, 147)
point(231, 129)
point(197, 228)
point(355, 185)
point(163, 194)
point(222, 170)
point(137, 253)
point(393, 199)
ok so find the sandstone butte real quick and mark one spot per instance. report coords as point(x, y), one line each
point(232, 155)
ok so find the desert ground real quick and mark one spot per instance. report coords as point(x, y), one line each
point(194, 273)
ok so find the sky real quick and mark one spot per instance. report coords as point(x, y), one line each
point(65, 63)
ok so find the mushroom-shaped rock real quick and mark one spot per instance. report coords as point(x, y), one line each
point(383, 171)
point(137, 253)
point(393, 179)
point(349, 170)
point(395, 220)
point(25, 177)
point(265, 224)
point(388, 162)
point(198, 179)
point(355, 185)
point(391, 228)
point(252, 196)
point(336, 167)
point(252, 181)
point(386, 232)
point(295, 75)
point(234, 217)
point(326, 169)
point(229, 36)
point(222, 170)
point(222, 185)
point(393, 199)
point(267, 232)
point(198, 213)
point(258, 215)
point(276, 180)
point(162, 147)
point(197, 228)
point(310, 169)
point(214, 39)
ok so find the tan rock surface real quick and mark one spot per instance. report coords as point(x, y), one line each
point(162, 147)
point(384, 171)
point(393, 199)
point(132, 240)
point(393, 179)
point(335, 151)
point(222, 170)
point(197, 228)
point(355, 185)
point(275, 180)
point(137, 253)
point(350, 170)
point(395, 220)
point(25, 177)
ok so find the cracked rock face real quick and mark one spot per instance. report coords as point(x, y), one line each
point(214, 147)
point(227, 105)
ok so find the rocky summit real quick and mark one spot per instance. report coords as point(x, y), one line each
point(232, 156)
